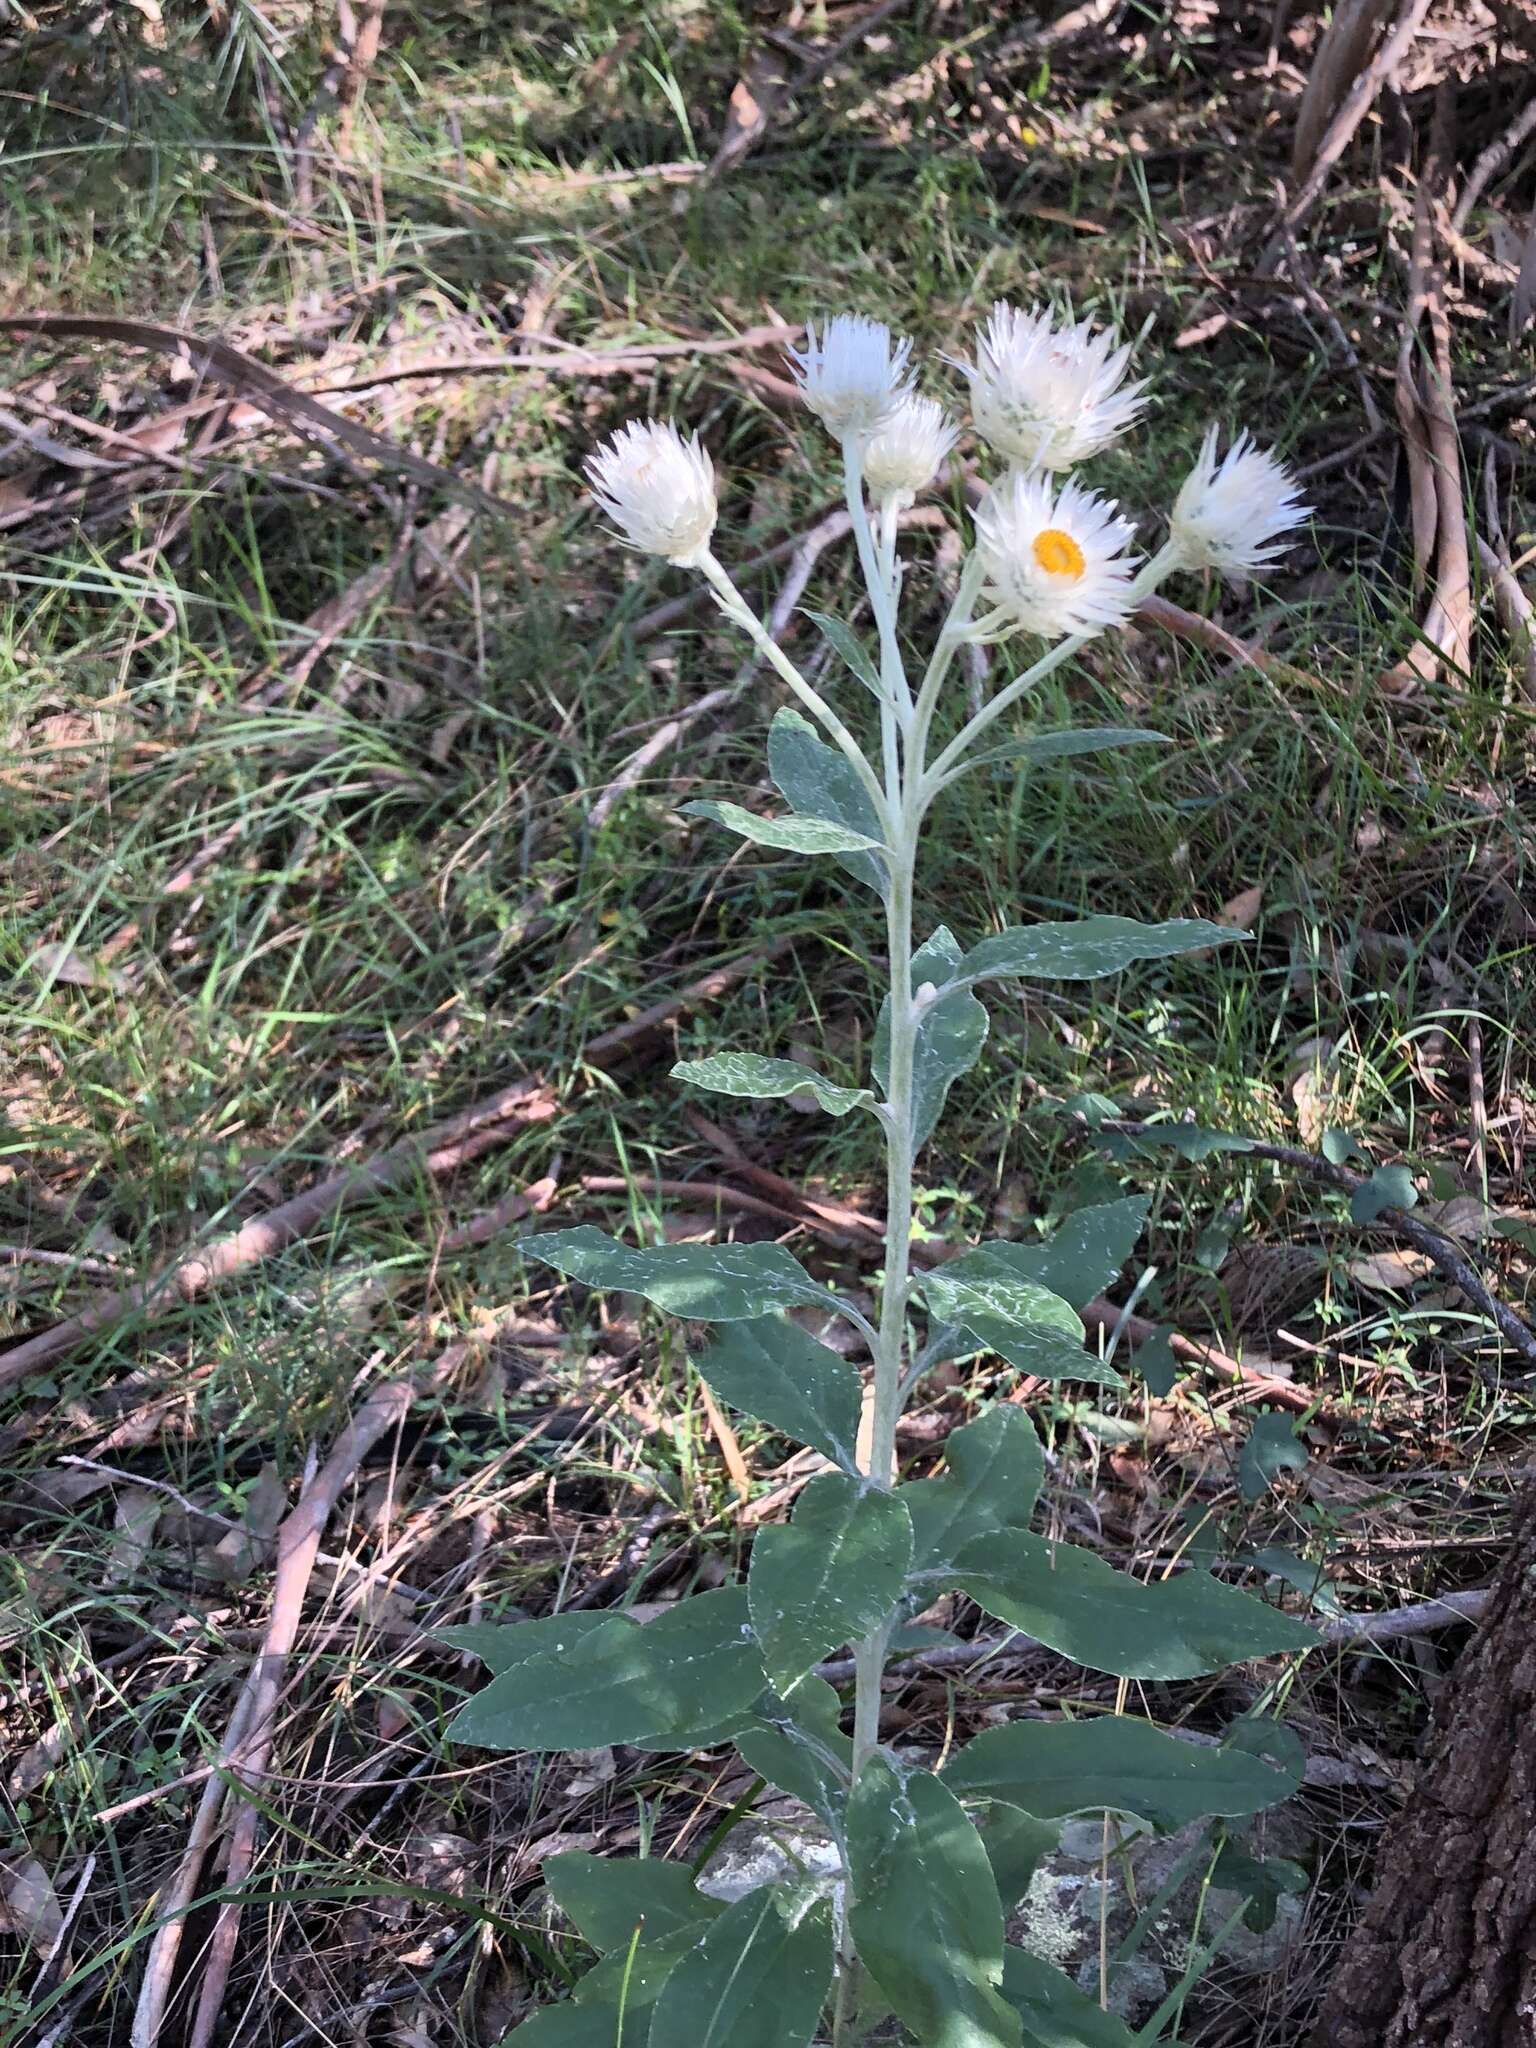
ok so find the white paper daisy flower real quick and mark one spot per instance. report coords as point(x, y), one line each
point(1229, 515)
point(903, 458)
point(658, 489)
point(1047, 396)
point(853, 374)
point(1053, 558)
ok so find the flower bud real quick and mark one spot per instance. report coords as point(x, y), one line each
point(903, 457)
point(853, 374)
point(658, 489)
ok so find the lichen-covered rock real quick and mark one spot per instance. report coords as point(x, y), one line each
point(1085, 1901)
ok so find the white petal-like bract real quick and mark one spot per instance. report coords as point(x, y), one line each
point(657, 488)
point(1053, 557)
point(1229, 515)
point(1047, 396)
point(853, 374)
point(903, 457)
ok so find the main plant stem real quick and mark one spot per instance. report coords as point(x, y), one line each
point(890, 1350)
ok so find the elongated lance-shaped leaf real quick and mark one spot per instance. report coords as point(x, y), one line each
point(686, 1672)
point(789, 835)
point(926, 1918)
point(1032, 1328)
point(769, 1368)
point(1016, 1844)
point(716, 1283)
point(818, 781)
point(849, 648)
point(1085, 948)
point(949, 1039)
point(1053, 2011)
point(1075, 1603)
point(629, 1980)
point(584, 2024)
point(1057, 1768)
point(1055, 746)
point(995, 1471)
point(749, 1074)
point(829, 1576)
point(757, 1979)
point(607, 1897)
point(500, 1645)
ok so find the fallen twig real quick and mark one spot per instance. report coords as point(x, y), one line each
point(213, 358)
point(436, 1152)
point(248, 1737)
point(1340, 131)
point(1435, 1245)
point(620, 1039)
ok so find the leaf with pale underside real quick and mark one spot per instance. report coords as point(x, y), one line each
point(951, 1033)
point(712, 1282)
point(788, 835)
point(1033, 1329)
point(1085, 948)
point(819, 781)
point(759, 1079)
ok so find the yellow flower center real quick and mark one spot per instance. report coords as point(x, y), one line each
point(1058, 553)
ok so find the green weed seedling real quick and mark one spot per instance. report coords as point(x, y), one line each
point(909, 1928)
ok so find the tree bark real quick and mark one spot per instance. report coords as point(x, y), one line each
point(1445, 1956)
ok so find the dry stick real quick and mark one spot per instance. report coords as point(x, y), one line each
point(1180, 624)
point(1341, 129)
point(1394, 1625)
point(576, 362)
point(1450, 621)
point(1492, 161)
point(248, 1742)
point(734, 148)
point(213, 358)
point(435, 1153)
point(1435, 1245)
point(620, 1038)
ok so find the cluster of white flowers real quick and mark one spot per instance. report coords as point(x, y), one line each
point(1054, 557)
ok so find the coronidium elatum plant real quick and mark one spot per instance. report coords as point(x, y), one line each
point(905, 1936)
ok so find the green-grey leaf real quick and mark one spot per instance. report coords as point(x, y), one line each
point(1194, 1142)
point(769, 1368)
point(683, 1673)
point(1075, 1603)
point(950, 1035)
point(1033, 1329)
point(502, 1644)
point(1086, 948)
point(1057, 1768)
point(1080, 1258)
point(996, 1469)
point(1389, 1187)
point(593, 2024)
point(829, 1576)
point(748, 1073)
point(757, 1979)
point(1265, 1881)
point(818, 781)
point(1053, 746)
point(789, 835)
point(797, 1745)
point(630, 1979)
point(1273, 1447)
point(607, 1897)
point(926, 1919)
point(846, 644)
point(1054, 2013)
point(1016, 1843)
point(717, 1283)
